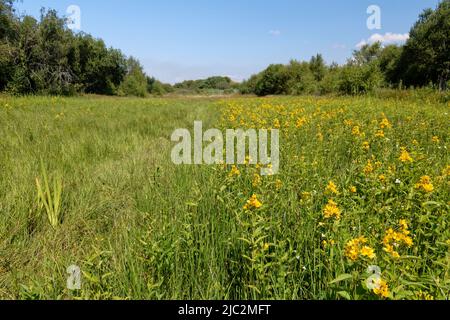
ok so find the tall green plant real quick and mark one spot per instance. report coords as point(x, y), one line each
point(48, 198)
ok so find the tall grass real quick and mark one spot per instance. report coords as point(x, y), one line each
point(50, 199)
point(141, 228)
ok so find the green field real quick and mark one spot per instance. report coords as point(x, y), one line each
point(140, 227)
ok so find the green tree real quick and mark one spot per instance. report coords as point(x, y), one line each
point(249, 85)
point(426, 55)
point(98, 69)
point(356, 80)
point(301, 78)
point(366, 54)
point(273, 80)
point(318, 67)
point(8, 25)
point(389, 59)
point(135, 81)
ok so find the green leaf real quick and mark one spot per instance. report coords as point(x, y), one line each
point(341, 278)
point(345, 295)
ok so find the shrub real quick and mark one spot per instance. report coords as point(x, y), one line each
point(356, 80)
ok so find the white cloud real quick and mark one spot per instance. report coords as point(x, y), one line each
point(275, 33)
point(386, 39)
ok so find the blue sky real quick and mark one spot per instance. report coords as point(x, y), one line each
point(190, 39)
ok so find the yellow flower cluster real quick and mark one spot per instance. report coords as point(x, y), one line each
point(356, 131)
point(380, 134)
point(385, 123)
point(368, 169)
point(405, 156)
point(256, 180)
point(357, 248)
point(331, 210)
point(253, 203)
point(366, 145)
point(301, 122)
point(332, 188)
point(424, 296)
point(278, 184)
point(394, 239)
point(446, 171)
point(234, 172)
point(425, 184)
point(382, 289)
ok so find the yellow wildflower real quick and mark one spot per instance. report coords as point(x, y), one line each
point(435, 139)
point(424, 296)
point(425, 184)
point(276, 124)
point(366, 145)
point(393, 239)
point(382, 289)
point(405, 156)
point(326, 243)
point(353, 189)
point(380, 134)
point(301, 122)
point(356, 248)
point(369, 168)
point(278, 184)
point(256, 180)
point(331, 210)
point(253, 203)
point(234, 171)
point(368, 252)
point(332, 188)
point(446, 171)
point(385, 123)
point(404, 227)
point(356, 131)
point(348, 122)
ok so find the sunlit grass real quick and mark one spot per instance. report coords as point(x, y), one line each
point(360, 179)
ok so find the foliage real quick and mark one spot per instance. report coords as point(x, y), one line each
point(273, 81)
point(50, 199)
point(217, 83)
point(426, 57)
point(355, 80)
point(135, 82)
point(424, 60)
point(45, 57)
point(136, 234)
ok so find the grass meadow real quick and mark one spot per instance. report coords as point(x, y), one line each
point(363, 190)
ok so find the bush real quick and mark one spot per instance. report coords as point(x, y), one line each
point(301, 79)
point(135, 82)
point(273, 81)
point(356, 80)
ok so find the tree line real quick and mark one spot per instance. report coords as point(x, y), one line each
point(45, 57)
point(423, 61)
